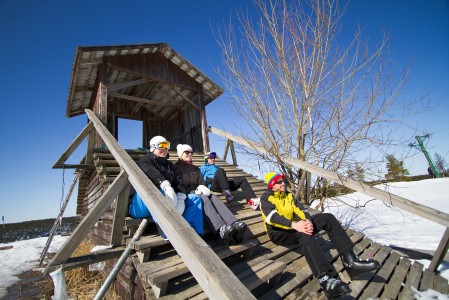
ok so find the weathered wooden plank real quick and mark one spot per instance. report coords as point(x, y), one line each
point(427, 280)
point(177, 267)
point(440, 252)
point(120, 212)
point(255, 276)
point(89, 127)
point(403, 203)
point(89, 221)
point(392, 288)
point(88, 259)
point(441, 285)
point(381, 278)
point(413, 279)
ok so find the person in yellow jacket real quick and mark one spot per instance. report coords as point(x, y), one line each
point(286, 224)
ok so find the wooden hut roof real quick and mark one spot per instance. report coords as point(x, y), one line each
point(158, 88)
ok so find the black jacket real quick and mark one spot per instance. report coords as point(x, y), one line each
point(190, 177)
point(159, 169)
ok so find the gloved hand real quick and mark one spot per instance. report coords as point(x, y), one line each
point(201, 189)
point(169, 192)
point(180, 202)
point(254, 203)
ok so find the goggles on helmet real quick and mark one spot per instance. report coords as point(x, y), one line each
point(163, 145)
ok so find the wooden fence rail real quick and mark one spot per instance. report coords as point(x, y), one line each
point(388, 198)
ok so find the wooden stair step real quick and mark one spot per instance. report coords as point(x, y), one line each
point(157, 274)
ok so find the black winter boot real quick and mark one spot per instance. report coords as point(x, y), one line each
point(333, 287)
point(227, 233)
point(356, 266)
point(240, 230)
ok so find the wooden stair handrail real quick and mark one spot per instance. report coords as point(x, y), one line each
point(217, 281)
point(388, 198)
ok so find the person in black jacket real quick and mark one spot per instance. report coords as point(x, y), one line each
point(163, 174)
point(217, 216)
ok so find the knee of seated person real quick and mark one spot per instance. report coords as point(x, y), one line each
point(221, 171)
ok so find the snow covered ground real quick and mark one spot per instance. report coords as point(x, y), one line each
point(379, 222)
point(22, 257)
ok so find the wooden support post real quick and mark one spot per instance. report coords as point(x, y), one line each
point(308, 182)
point(225, 154)
point(143, 255)
point(90, 148)
point(204, 131)
point(89, 220)
point(440, 252)
point(234, 158)
point(86, 131)
point(120, 212)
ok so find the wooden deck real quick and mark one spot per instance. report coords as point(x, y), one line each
point(269, 271)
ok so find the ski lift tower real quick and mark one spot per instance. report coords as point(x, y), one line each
point(420, 140)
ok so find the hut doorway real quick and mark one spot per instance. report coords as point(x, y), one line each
point(130, 133)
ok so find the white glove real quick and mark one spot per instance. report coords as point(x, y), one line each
point(169, 192)
point(254, 203)
point(180, 202)
point(201, 189)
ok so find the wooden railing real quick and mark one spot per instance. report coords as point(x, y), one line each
point(390, 199)
point(215, 278)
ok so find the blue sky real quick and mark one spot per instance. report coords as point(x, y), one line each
point(39, 39)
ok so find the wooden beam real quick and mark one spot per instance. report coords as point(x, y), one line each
point(60, 162)
point(89, 220)
point(88, 259)
point(389, 199)
point(120, 212)
point(211, 273)
point(74, 166)
point(204, 132)
point(125, 84)
point(440, 252)
point(151, 78)
point(137, 99)
point(184, 97)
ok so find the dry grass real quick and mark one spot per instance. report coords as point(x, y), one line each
point(82, 284)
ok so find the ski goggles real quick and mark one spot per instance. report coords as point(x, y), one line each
point(163, 145)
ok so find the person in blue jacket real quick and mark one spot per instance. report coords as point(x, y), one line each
point(217, 181)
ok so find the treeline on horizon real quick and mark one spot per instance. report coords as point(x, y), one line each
point(36, 228)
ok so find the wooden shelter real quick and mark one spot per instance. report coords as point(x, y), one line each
point(149, 82)
point(154, 84)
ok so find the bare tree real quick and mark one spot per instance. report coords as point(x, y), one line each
point(305, 92)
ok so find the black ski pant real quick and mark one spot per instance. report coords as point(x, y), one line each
point(310, 247)
point(215, 213)
point(221, 183)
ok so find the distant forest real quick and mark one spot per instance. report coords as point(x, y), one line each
point(33, 229)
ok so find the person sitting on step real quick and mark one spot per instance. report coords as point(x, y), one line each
point(286, 224)
point(216, 216)
point(217, 181)
point(163, 175)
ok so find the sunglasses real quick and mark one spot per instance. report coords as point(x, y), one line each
point(163, 145)
point(280, 182)
point(188, 152)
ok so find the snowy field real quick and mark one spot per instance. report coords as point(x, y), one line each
point(379, 222)
point(22, 257)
